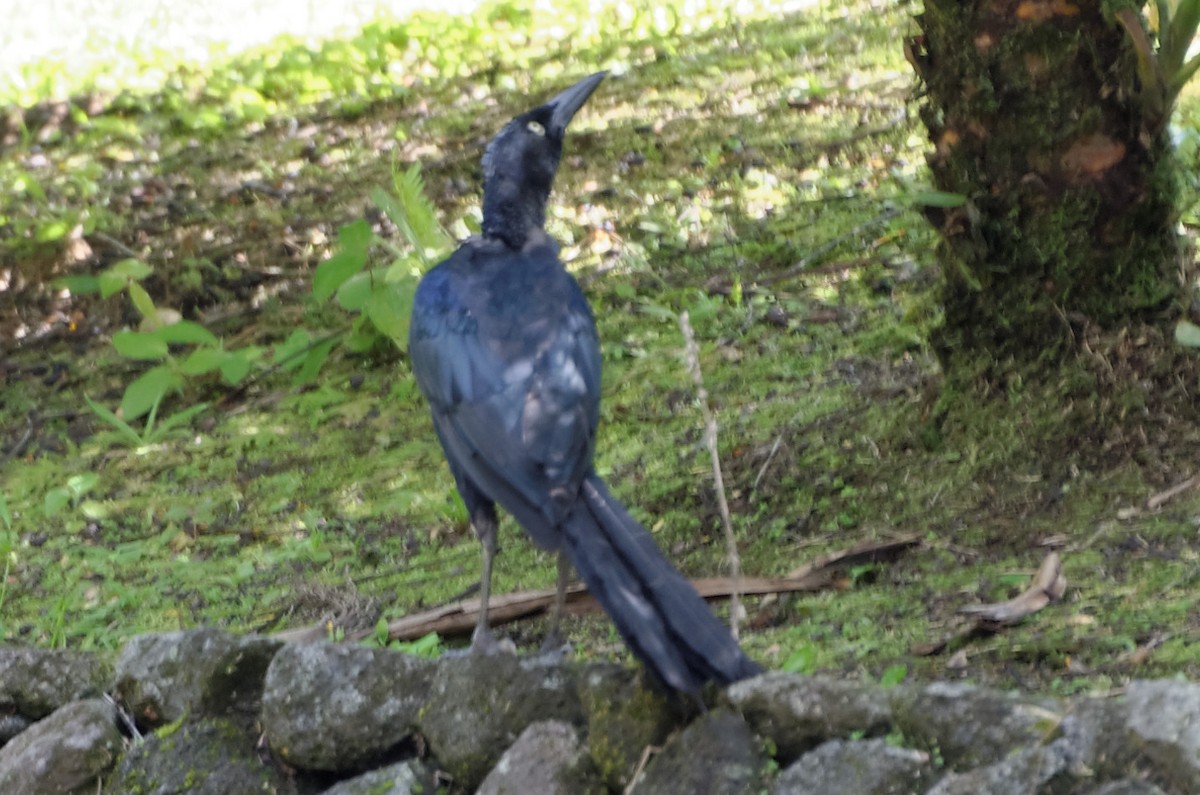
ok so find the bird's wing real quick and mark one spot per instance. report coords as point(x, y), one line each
point(504, 347)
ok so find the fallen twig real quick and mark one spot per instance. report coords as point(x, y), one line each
point(1048, 586)
point(710, 439)
point(459, 618)
point(1158, 500)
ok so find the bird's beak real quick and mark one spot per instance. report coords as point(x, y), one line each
point(568, 103)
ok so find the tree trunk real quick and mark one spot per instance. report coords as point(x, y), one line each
point(1033, 110)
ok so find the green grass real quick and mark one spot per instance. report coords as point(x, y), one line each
point(726, 147)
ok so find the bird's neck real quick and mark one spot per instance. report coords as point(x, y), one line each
point(512, 215)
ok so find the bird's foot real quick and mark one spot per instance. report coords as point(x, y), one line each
point(484, 643)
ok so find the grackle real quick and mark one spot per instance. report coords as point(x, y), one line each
point(503, 345)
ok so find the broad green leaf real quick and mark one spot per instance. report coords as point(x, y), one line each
point(130, 269)
point(93, 509)
point(82, 484)
point(139, 345)
point(287, 352)
point(1187, 334)
point(235, 367)
point(80, 285)
point(353, 294)
point(333, 272)
point(801, 661)
point(362, 337)
point(141, 300)
point(355, 235)
point(111, 284)
point(54, 501)
point(390, 309)
point(185, 331)
point(894, 675)
point(202, 360)
point(147, 390)
point(313, 361)
point(54, 230)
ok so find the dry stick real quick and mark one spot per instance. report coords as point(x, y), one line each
point(710, 438)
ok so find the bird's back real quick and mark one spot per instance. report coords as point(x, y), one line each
point(503, 344)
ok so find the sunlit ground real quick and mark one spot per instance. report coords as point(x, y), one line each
point(111, 39)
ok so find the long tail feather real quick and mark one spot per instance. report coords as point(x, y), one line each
point(658, 612)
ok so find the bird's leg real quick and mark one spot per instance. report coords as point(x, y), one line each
point(484, 522)
point(554, 637)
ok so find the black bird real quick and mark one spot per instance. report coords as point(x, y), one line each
point(504, 346)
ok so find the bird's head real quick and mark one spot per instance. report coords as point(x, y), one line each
point(520, 162)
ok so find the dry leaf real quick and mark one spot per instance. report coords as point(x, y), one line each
point(1048, 586)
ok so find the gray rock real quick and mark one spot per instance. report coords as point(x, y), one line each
point(334, 707)
point(66, 752)
point(717, 754)
point(1164, 723)
point(35, 682)
point(1036, 771)
point(969, 726)
point(213, 756)
point(1127, 786)
point(546, 759)
point(624, 717)
point(1092, 735)
point(856, 767)
point(479, 705)
point(403, 778)
point(800, 712)
point(200, 672)
point(11, 725)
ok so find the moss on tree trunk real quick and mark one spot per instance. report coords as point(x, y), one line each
point(1033, 112)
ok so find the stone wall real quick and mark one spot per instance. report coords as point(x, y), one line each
point(207, 712)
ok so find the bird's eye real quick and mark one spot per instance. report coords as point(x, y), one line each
point(536, 128)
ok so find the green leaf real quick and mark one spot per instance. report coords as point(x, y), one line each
point(313, 361)
point(938, 198)
point(54, 501)
point(54, 230)
point(894, 675)
point(5, 513)
point(353, 294)
point(235, 367)
point(93, 509)
point(390, 309)
point(123, 428)
point(132, 270)
point(80, 485)
point(802, 661)
point(146, 390)
point(141, 300)
point(141, 345)
point(356, 235)
point(1187, 334)
point(202, 360)
point(110, 284)
point(414, 214)
point(80, 285)
point(179, 418)
point(333, 272)
point(185, 331)
point(286, 353)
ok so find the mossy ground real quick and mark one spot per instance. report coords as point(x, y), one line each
point(726, 148)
